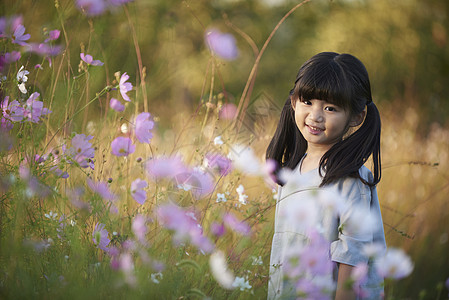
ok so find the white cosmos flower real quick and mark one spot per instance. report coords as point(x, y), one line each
point(331, 201)
point(22, 75)
point(245, 160)
point(221, 197)
point(242, 197)
point(218, 140)
point(241, 283)
point(395, 264)
point(22, 88)
point(220, 271)
point(302, 214)
point(156, 277)
point(360, 222)
point(373, 250)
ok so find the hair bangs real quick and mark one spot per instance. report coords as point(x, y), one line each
point(324, 81)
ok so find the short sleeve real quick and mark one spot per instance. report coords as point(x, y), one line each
point(348, 247)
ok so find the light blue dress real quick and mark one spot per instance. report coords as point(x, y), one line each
point(344, 247)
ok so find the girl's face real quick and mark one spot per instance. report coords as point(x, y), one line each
point(321, 123)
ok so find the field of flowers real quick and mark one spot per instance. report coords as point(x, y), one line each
point(104, 194)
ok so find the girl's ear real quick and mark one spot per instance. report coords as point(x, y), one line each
point(293, 102)
point(358, 119)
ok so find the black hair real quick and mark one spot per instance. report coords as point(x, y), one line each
point(340, 79)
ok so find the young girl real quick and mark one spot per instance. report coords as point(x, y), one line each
point(328, 129)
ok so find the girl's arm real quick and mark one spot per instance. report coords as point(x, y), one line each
point(344, 274)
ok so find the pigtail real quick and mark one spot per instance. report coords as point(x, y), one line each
point(287, 146)
point(346, 157)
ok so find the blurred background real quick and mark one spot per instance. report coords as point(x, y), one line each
point(404, 45)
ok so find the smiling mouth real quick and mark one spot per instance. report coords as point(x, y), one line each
point(314, 130)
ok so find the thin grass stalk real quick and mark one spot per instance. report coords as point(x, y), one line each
point(244, 99)
point(139, 60)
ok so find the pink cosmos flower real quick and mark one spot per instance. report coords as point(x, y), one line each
point(34, 109)
point(228, 111)
point(102, 189)
point(143, 127)
point(140, 228)
point(100, 237)
point(43, 49)
point(184, 225)
point(218, 162)
point(198, 182)
point(75, 195)
point(82, 151)
point(118, 2)
point(8, 25)
point(12, 110)
point(236, 225)
point(138, 192)
point(122, 146)
point(88, 59)
point(12, 56)
point(217, 229)
point(124, 86)
point(19, 37)
point(116, 105)
point(222, 44)
point(91, 7)
point(53, 35)
point(165, 167)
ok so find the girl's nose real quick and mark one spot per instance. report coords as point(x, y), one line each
point(316, 115)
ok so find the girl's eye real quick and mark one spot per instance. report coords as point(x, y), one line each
point(306, 102)
point(330, 108)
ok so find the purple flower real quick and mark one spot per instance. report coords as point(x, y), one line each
point(234, 224)
point(10, 24)
point(102, 189)
point(228, 111)
point(143, 127)
point(198, 182)
point(116, 105)
point(19, 37)
point(34, 109)
point(122, 146)
point(82, 151)
point(140, 229)
point(12, 110)
point(3, 27)
point(43, 49)
point(125, 86)
point(75, 198)
point(222, 44)
point(88, 59)
point(53, 35)
point(216, 161)
point(100, 237)
point(184, 225)
point(118, 2)
point(217, 229)
point(165, 167)
point(10, 57)
point(91, 7)
point(138, 192)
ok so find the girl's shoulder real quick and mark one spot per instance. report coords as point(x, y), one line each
point(366, 174)
point(355, 187)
